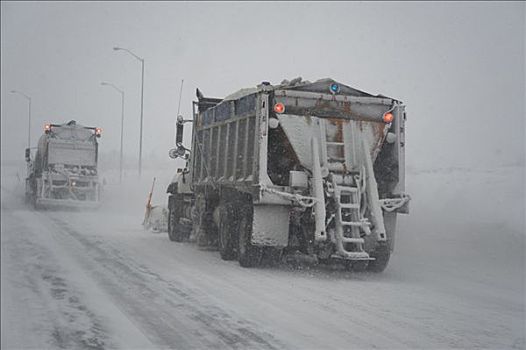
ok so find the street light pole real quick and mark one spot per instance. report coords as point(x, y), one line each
point(142, 101)
point(122, 125)
point(28, 98)
point(122, 137)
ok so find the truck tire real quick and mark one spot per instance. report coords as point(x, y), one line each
point(381, 253)
point(357, 265)
point(249, 255)
point(228, 226)
point(205, 228)
point(27, 198)
point(271, 256)
point(175, 229)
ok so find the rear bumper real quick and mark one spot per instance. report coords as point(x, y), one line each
point(66, 203)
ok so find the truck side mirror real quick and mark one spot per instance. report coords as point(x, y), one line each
point(179, 133)
point(28, 155)
point(177, 152)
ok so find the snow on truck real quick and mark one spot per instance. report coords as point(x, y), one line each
point(63, 172)
point(309, 168)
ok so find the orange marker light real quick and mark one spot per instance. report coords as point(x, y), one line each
point(279, 108)
point(98, 132)
point(388, 117)
point(47, 128)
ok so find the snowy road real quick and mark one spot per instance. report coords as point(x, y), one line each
point(97, 280)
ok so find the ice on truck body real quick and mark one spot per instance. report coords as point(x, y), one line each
point(319, 166)
point(64, 170)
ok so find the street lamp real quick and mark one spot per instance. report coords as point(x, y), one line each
point(28, 98)
point(142, 100)
point(122, 124)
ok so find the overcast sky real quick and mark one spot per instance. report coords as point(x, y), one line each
point(459, 67)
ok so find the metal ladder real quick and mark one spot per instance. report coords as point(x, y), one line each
point(347, 191)
point(349, 220)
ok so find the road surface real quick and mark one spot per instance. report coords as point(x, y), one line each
point(98, 280)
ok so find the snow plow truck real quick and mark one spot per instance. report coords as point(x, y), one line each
point(63, 172)
point(315, 169)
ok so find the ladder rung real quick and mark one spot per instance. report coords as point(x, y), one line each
point(335, 143)
point(355, 223)
point(352, 240)
point(336, 167)
point(354, 256)
point(347, 189)
point(349, 206)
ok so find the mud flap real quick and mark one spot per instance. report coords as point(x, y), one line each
point(390, 228)
point(270, 226)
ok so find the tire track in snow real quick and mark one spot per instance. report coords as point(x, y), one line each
point(62, 317)
point(169, 313)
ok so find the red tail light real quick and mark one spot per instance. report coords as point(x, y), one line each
point(388, 118)
point(279, 108)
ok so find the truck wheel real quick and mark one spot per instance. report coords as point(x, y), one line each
point(227, 229)
point(381, 253)
point(357, 265)
point(175, 232)
point(248, 255)
point(271, 256)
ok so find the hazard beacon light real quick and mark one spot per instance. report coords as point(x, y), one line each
point(334, 88)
